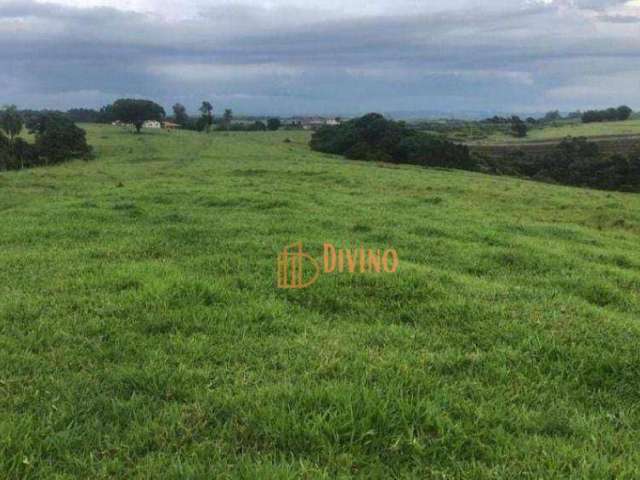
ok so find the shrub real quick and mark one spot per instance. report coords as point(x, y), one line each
point(374, 138)
point(60, 140)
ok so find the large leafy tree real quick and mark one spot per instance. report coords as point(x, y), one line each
point(11, 122)
point(136, 112)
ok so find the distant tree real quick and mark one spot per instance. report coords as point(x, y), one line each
point(273, 124)
point(552, 116)
point(137, 112)
point(624, 112)
point(496, 120)
point(258, 126)
point(11, 122)
point(374, 138)
point(518, 127)
point(227, 118)
point(206, 109)
point(609, 115)
point(531, 120)
point(5, 152)
point(180, 114)
point(83, 115)
point(106, 115)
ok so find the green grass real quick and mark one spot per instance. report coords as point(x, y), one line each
point(142, 336)
point(574, 129)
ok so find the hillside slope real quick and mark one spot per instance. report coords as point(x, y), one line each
point(628, 131)
point(142, 335)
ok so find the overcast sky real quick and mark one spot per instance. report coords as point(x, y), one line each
point(327, 57)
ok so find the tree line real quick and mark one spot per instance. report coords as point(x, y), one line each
point(56, 139)
point(138, 111)
point(375, 138)
point(609, 115)
point(574, 161)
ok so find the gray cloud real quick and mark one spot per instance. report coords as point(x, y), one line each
point(619, 18)
point(294, 59)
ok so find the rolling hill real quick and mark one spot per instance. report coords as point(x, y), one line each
point(142, 334)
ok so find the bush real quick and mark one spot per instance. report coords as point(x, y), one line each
point(57, 139)
point(61, 140)
point(374, 138)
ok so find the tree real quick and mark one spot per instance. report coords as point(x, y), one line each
point(374, 138)
point(11, 122)
point(273, 124)
point(258, 126)
point(59, 139)
point(180, 114)
point(83, 115)
point(609, 115)
point(105, 115)
point(207, 116)
point(552, 116)
point(624, 112)
point(518, 127)
point(137, 112)
point(227, 118)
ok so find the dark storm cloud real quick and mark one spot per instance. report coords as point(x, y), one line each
point(260, 60)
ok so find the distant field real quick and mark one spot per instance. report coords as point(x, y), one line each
point(142, 336)
point(562, 130)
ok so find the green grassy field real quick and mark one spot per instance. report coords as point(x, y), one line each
point(573, 129)
point(142, 334)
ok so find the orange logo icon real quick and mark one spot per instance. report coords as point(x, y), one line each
point(291, 268)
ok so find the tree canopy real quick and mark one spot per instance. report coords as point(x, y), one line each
point(57, 139)
point(136, 112)
point(375, 138)
point(273, 124)
point(180, 114)
point(609, 115)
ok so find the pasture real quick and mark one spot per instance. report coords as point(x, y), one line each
point(563, 129)
point(142, 334)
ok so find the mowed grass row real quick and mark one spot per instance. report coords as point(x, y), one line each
point(142, 335)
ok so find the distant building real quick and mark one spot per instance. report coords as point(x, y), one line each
point(170, 125)
point(152, 124)
point(312, 123)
